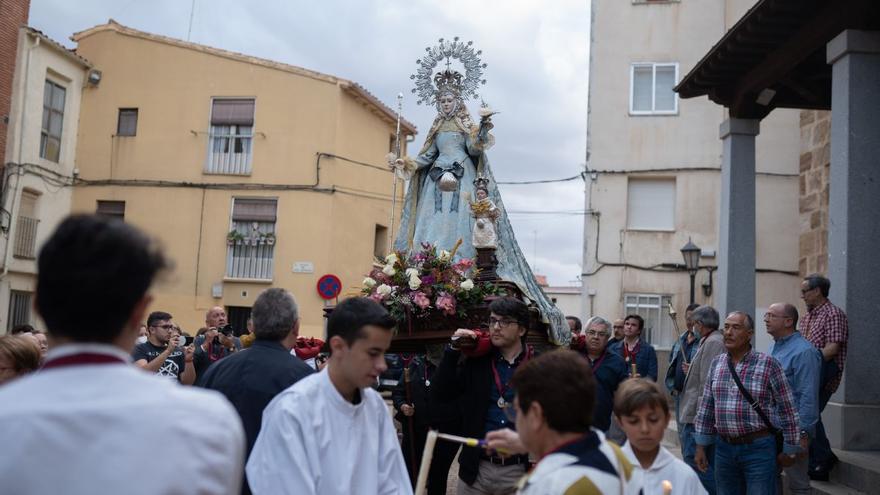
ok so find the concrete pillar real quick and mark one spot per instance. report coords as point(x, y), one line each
point(736, 236)
point(854, 233)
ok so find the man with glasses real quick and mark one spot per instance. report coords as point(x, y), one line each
point(482, 386)
point(162, 354)
point(617, 329)
point(609, 370)
point(802, 364)
point(826, 327)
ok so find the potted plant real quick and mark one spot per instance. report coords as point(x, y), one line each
point(270, 238)
point(234, 237)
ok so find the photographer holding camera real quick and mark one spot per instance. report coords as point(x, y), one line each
point(217, 342)
point(163, 353)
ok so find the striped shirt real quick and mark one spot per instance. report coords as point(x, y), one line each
point(724, 411)
point(825, 325)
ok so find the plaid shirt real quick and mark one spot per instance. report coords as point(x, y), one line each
point(825, 325)
point(724, 411)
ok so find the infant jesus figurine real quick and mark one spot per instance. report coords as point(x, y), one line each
point(485, 212)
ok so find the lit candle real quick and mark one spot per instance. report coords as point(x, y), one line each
point(422, 480)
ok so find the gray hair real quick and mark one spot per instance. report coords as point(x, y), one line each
point(598, 320)
point(747, 319)
point(274, 314)
point(706, 316)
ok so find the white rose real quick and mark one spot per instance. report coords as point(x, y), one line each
point(468, 284)
point(414, 282)
point(384, 290)
point(444, 255)
point(391, 259)
point(389, 270)
point(412, 272)
point(369, 282)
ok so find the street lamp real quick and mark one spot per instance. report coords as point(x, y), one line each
point(691, 254)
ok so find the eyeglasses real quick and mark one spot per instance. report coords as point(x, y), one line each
point(167, 326)
point(500, 322)
point(804, 291)
point(771, 315)
point(593, 333)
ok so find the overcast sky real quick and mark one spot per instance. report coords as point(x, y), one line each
point(537, 56)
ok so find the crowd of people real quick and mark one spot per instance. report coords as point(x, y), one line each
point(122, 394)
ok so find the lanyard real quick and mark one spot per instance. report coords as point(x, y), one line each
point(635, 351)
point(598, 362)
point(82, 358)
point(502, 388)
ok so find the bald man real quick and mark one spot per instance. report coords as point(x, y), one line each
point(215, 344)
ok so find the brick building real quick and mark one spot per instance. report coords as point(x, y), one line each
point(13, 15)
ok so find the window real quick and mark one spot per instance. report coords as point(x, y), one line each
point(114, 209)
point(127, 123)
point(659, 330)
point(231, 138)
point(53, 118)
point(650, 204)
point(19, 309)
point(251, 241)
point(380, 242)
point(26, 227)
point(651, 89)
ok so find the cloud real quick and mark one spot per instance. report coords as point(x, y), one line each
point(537, 58)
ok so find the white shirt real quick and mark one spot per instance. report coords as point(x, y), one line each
point(314, 442)
point(114, 428)
point(666, 467)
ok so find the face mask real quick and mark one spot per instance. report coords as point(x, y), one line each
point(141, 339)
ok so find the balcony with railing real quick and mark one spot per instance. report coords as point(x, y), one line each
point(251, 256)
point(26, 237)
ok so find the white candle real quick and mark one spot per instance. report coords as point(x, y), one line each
point(422, 480)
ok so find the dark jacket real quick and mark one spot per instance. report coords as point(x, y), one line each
point(469, 383)
point(646, 359)
point(250, 379)
point(609, 374)
point(429, 413)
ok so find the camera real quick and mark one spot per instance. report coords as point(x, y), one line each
point(227, 330)
point(187, 340)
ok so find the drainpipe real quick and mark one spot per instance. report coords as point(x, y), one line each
point(16, 200)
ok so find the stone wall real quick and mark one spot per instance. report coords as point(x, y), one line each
point(814, 174)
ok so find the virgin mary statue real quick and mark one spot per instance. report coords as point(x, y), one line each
point(441, 177)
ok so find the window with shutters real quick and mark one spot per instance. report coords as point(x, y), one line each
point(127, 123)
point(651, 89)
point(251, 241)
point(53, 120)
point(115, 209)
point(231, 137)
point(19, 309)
point(26, 226)
point(650, 204)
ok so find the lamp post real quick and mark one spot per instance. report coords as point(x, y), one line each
point(691, 254)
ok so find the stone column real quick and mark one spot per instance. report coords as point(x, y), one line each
point(854, 233)
point(736, 239)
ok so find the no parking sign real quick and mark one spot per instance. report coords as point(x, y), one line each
point(329, 286)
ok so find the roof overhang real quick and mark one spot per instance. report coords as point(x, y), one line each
point(774, 56)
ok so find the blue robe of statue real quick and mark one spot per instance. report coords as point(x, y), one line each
point(442, 218)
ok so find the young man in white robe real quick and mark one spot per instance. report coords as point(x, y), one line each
point(330, 433)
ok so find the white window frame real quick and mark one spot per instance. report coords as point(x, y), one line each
point(632, 76)
point(662, 337)
point(254, 263)
point(230, 163)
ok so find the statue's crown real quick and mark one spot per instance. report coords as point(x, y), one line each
point(481, 183)
point(448, 81)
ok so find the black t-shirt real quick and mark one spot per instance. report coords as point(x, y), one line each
point(174, 364)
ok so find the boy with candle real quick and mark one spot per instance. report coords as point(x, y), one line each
point(642, 410)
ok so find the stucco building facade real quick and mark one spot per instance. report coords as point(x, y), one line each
point(251, 172)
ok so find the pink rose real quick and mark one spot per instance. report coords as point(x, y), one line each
point(446, 303)
point(421, 300)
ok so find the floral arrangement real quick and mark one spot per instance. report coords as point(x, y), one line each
point(424, 282)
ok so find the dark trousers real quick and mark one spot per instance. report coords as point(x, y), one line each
point(444, 454)
point(820, 448)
